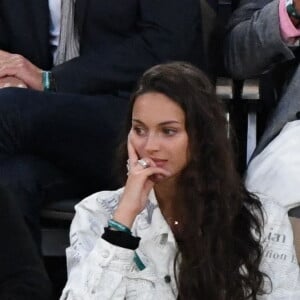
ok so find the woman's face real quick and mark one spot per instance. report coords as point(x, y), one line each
point(158, 132)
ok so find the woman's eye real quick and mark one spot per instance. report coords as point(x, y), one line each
point(139, 131)
point(169, 131)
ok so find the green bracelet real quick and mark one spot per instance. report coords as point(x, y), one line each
point(118, 226)
point(48, 81)
point(138, 262)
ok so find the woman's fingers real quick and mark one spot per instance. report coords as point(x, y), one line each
point(136, 165)
point(158, 171)
point(139, 170)
point(143, 163)
point(132, 155)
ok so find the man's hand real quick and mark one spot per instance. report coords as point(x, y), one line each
point(10, 81)
point(15, 65)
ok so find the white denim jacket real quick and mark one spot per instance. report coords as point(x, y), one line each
point(100, 270)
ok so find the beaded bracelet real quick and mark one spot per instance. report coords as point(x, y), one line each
point(118, 226)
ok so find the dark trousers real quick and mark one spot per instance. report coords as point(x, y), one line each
point(22, 273)
point(54, 146)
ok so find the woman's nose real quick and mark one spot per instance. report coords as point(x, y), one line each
point(152, 142)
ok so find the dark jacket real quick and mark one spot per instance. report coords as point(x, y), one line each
point(118, 39)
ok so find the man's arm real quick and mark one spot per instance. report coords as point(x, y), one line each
point(254, 43)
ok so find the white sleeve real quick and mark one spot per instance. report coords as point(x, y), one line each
point(279, 257)
point(96, 268)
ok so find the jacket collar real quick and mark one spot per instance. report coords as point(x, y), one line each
point(153, 213)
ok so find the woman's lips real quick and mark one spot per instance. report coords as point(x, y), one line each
point(159, 162)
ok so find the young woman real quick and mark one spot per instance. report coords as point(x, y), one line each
point(183, 226)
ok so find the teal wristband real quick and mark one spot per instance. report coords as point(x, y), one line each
point(48, 81)
point(140, 265)
point(118, 226)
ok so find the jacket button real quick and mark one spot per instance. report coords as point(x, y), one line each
point(167, 279)
point(298, 115)
point(105, 254)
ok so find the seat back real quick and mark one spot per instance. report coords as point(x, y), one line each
point(56, 218)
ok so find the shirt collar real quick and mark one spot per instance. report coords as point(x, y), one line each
point(155, 219)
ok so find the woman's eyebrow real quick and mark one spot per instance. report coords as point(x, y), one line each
point(137, 120)
point(169, 122)
point(162, 123)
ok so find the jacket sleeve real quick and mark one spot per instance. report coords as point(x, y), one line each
point(165, 30)
point(98, 269)
point(279, 260)
point(95, 267)
point(253, 43)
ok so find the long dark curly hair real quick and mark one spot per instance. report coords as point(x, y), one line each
point(219, 252)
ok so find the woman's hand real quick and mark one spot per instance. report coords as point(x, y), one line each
point(137, 188)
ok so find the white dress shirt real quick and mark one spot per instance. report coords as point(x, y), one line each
point(54, 29)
